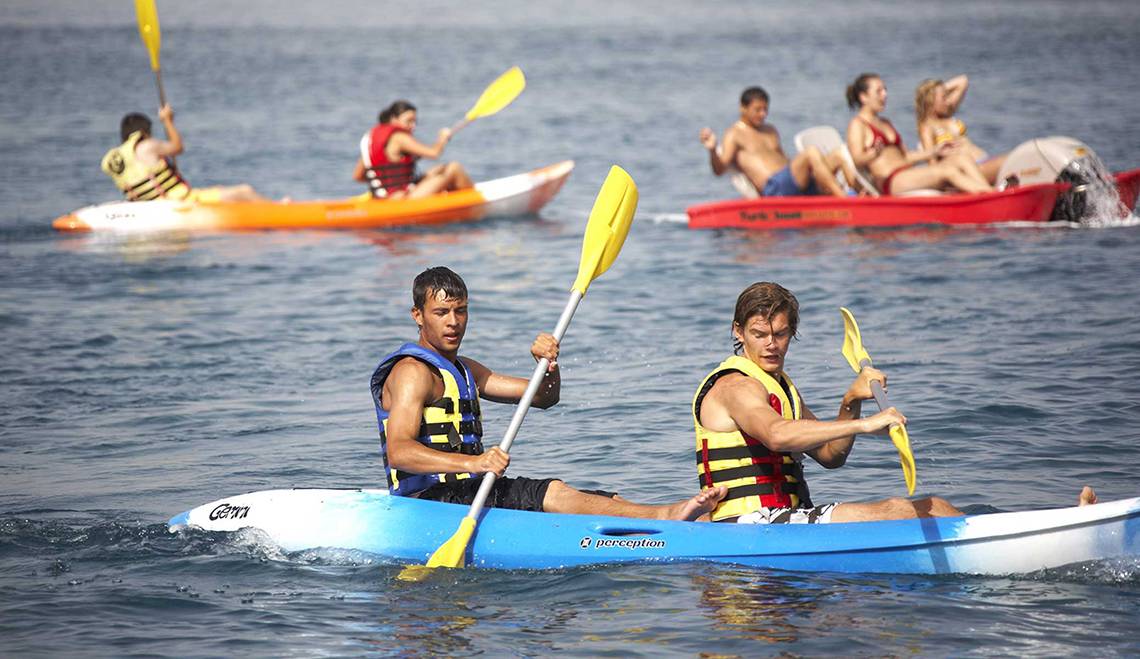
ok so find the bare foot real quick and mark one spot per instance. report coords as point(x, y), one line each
point(704, 502)
point(1087, 497)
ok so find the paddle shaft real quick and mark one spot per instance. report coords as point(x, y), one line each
point(524, 404)
point(459, 125)
point(877, 390)
point(161, 91)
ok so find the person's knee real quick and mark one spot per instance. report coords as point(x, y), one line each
point(815, 158)
point(899, 507)
point(559, 497)
point(943, 507)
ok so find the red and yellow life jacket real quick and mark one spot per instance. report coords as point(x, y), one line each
point(756, 477)
point(385, 176)
point(141, 182)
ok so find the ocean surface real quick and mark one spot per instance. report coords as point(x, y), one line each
point(143, 377)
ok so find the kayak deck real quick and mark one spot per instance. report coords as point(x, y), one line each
point(520, 194)
point(409, 530)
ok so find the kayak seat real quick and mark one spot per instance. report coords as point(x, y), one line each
point(827, 139)
point(739, 180)
point(742, 184)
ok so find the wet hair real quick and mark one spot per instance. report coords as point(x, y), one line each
point(394, 110)
point(764, 299)
point(753, 94)
point(436, 279)
point(858, 87)
point(924, 99)
point(132, 122)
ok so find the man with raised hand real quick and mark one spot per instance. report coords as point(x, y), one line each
point(431, 432)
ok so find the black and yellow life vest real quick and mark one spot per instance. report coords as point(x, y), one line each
point(756, 477)
point(451, 423)
point(140, 182)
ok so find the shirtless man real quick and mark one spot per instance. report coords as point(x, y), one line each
point(753, 147)
point(143, 166)
point(427, 405)
point(753, 428)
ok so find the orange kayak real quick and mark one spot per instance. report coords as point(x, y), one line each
point(513, 195)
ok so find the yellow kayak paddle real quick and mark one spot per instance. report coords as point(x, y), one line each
point(605, 234)
point(858, 358)
point(152, 39)
point(495, 97)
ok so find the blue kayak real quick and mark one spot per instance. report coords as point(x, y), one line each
point(409, 530)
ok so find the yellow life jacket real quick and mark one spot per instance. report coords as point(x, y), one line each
point(452, 423)
point(755, 476)
point(140, 182)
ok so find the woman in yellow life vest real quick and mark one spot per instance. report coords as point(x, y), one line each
point(143, 166)
point(935, 103)
point(753, 428)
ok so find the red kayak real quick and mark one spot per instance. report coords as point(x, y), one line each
point(1027, 203)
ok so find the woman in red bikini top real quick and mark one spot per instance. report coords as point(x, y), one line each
point(876, 145)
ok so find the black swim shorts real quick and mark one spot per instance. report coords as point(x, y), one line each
point(512, 493)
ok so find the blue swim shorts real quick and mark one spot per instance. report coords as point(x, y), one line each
point(782, 184)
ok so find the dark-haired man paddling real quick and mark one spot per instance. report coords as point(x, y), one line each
point(427, 405)
point(752, 428)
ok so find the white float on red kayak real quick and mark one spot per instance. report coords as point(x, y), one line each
point(520, 194)
point(410, 530)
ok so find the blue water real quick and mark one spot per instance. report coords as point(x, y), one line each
point(143, 377)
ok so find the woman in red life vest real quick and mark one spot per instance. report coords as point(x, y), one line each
point(388, 155)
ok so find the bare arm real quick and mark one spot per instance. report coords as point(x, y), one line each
point(405, 143)
point(834, 453)
point(857, 139)
point(172, 146)
point(926, 135)
point(742, 402)
point(956, 91)
point(510, 389)
point(407, 390)
point(930, 153)
point(358, 171)
point(720, 160)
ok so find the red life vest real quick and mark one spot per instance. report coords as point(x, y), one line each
point(385, 176)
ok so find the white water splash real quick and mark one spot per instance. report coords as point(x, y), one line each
point(1103, 206)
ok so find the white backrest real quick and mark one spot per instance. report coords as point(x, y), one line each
point(824, 138)
point(739, 180)
point(742, 184)
point(828, 139)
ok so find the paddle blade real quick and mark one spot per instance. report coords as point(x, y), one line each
point(148, 29)
point(498, 94)
point(853, 343)
point(906, 458)
point(450, 554)
point(607, 227)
